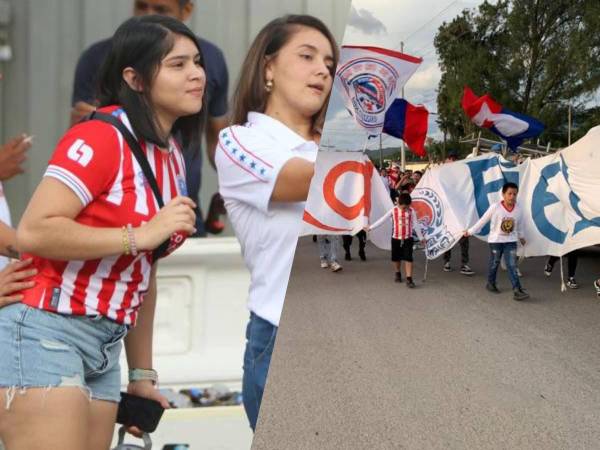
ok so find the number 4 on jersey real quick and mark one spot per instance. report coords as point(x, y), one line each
point(80, 152)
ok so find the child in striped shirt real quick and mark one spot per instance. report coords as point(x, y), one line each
point(404, 222)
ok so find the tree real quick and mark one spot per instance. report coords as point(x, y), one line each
point(532, 56)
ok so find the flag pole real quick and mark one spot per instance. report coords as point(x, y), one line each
point(366, 142)
point(402, 149)
point(380, 152)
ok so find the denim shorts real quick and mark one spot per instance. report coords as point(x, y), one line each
point(44, 349)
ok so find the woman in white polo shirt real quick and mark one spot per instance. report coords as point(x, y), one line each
point(265, 162)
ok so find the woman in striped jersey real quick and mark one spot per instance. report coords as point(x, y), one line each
point(91, 228)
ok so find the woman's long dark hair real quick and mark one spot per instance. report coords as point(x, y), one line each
point(250, 94)
point(141, 43)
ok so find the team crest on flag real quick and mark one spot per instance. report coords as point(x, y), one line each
point(429, 209)
point(368, 78)
point(367, 82)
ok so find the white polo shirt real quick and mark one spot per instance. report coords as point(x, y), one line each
point(249, 158)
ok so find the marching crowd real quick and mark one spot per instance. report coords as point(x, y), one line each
point(506, 234)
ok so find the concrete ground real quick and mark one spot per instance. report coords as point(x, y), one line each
point(362, 362)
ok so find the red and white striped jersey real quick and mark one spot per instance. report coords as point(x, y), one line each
point(95, 162)
point(404, 222)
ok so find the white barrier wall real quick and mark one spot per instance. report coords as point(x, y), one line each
point(201, 314)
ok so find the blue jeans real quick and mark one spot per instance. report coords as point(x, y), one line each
point(46, 349)
point(509, 249)
point(328, 247)
point(260, 340)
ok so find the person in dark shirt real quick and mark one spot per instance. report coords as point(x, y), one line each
point(215, 98)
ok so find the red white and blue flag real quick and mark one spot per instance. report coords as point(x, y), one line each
point(369, 79)
point(408, 122)
point(513, 127)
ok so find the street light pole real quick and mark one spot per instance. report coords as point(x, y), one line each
point(569, 132)
point(402, 150)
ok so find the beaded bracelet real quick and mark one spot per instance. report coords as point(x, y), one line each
point(125, 240)
point(143, 375)
point(131, 239)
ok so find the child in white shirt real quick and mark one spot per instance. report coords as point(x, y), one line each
point(506, 229)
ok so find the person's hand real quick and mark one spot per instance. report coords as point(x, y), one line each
point(80, 110)
point(367, 228)
point(145, 389)
point(15, 278)
point(523, 241)
point(12, 155)
point(177, 215)
point(466, 233)
point(424, 241)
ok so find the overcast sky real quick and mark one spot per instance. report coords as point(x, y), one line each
point(387, 23)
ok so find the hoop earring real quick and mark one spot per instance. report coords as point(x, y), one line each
point(269, 85)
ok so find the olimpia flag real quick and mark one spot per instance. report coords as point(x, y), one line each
point(557, 193)
point(369, 79)
point(346, 194)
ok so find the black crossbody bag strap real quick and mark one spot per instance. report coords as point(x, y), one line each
point(137, 151)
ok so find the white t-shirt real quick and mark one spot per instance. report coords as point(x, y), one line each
point(4, 217)
point(248, 159)
point(505, 224)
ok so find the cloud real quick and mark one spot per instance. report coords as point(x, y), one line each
point(366, 22)
point(426, 78)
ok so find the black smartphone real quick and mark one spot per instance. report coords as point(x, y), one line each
point(140, 412)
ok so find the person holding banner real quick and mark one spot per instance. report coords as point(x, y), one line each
point(265, 163)
point(404, 223)
point(505, 219)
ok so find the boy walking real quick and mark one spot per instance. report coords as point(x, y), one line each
point(404, 221)
point(506, 229)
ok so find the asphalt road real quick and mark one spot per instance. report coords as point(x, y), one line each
point(362, 362)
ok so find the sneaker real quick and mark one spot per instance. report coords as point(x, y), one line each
point(548, 270)
point(361, 255)
point(466, 270)
point(447, 267)
point(324, 264)
point(410, 283)
point(398, 277)
point(348, 257)
point(492, 288)
point(597, 286)
point(519, 294)
point(335, 267)
point(572, 284)
point(519, 274)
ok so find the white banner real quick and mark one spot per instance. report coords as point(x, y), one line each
point(346, 194)
point(559, 195)
point(369, 79)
